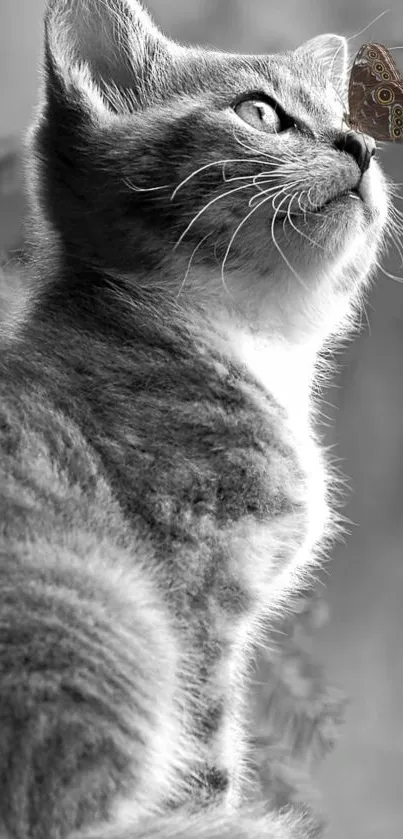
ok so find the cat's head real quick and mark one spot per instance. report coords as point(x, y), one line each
point(219, 180)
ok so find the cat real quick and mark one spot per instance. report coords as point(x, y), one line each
point(202, 226)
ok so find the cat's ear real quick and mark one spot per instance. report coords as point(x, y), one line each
point(104, 49)
point(332, 52)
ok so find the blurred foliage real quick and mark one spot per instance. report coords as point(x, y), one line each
point(294, 712)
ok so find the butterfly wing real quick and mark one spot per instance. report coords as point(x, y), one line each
point(379, 111)
point(376, 94)
point(383, 65)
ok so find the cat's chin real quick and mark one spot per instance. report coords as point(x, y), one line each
point(350, 208)
point(354, 219)
point(368, 201)
point(350, 226)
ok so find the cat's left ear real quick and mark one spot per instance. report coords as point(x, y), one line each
point(100, 48)
point(332, 52)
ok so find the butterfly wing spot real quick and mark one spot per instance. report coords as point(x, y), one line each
point(385, 96)
point(376, 109)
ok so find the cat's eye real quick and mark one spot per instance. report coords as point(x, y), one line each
point(263, 114)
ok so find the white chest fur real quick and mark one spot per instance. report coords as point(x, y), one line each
point(287, 373)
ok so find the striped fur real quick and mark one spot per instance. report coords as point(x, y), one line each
point(161, 491)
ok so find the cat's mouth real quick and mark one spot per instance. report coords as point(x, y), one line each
point(348, 194)
point(321, 206)
point(356, 198)
point(355, 195)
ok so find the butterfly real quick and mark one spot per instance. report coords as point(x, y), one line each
point(375, 94)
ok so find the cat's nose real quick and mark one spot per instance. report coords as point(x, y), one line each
point(360, 146)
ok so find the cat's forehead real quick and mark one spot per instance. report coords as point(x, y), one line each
point(300, 84)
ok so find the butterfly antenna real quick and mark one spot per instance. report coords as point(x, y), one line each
point(368, 26)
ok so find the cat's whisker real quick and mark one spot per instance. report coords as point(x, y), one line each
point(245, 146)
point(397, 216)
point(286, 183)
point(283, 172)
point(234, 235)
point(194, 252)
point(398, 197)
point(280, 250)
point(387, 274)
point(206, 207)
point(308, 196)
point(394, 231)
point(136, 188)
point(284, 190)
point(303, 209)
point(288, 155)
point(258, 195)
point(287, 214)
point(300, 232)
point(260, 181)
point(195, 172)
point(223, 163)
point(398, 247)
point(311, 203)
point(244, 177)
point(239, 178)
point(395, 222)
point(271, 189)
point(267, 156)
point(394, 190)
point(265, 177)
point(265, 174)
point(364, 314)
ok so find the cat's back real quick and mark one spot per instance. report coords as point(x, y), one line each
point(84, 628)
point(45, 459)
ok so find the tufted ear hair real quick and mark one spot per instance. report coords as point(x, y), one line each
point(332, 52)
point(104, 49)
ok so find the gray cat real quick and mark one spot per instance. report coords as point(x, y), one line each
point(202, 225)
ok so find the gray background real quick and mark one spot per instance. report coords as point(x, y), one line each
point(362, 782)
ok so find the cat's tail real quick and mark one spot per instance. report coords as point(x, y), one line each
point(215, 825)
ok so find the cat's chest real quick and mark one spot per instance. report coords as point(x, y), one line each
point(225, 476)
point(257, 509)
point(287, 540)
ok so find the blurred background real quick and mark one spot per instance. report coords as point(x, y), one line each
point(362, 644)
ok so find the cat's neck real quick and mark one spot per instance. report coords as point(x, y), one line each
point(86, 300)
point(284, 370)
point(287, 371)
